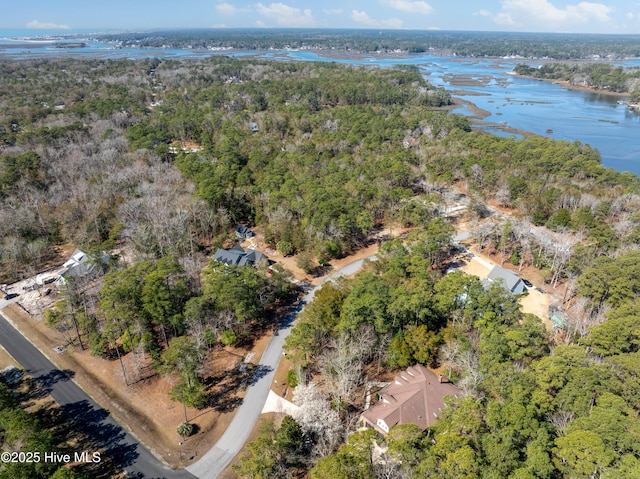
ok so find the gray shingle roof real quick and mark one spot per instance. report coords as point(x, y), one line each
point(238, 256)
point(510, 280)
point(77, 266)
point(243, 232)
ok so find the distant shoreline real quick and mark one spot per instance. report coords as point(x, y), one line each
point(27, 46)
point(571, 86)
point(30, 40)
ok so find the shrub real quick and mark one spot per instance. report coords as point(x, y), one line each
point(304, 261)
point(285, 248)
point(228, 338)
point(293, 379)
point(185, 429)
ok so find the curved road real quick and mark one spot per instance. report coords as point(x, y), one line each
point(220, 456)
point(115, 442)
point(122, 447)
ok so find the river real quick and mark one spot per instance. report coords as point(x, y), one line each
point(522, 104)
point(535, 106)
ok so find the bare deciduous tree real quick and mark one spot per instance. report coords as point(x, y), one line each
point(561, 420)
point(317, 419)
point(342, 367)
point(448, 355)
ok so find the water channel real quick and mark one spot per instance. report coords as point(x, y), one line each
point(519, 103)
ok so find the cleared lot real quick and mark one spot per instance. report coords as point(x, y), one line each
point(535, 302)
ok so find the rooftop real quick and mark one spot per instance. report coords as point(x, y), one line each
point(510, 280)
point(415, 396)
point(238, 256)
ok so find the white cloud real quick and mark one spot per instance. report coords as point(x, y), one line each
point(226, 8)
point(546, 14)
point(483, 13)
point(286, 16)
point(46, 25)
point(332, 11)
point(504, 19)
point(364, 18)
point(408, 6)
point(630, 15)
point(586, 11)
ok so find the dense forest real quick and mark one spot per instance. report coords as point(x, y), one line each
point(600, 76)
point(468, 44)
point(155, 161)
point(307, 196)
point(530, 409)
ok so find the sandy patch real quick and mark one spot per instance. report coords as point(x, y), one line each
point(537, 303)
point(474, 267)
point(476, 112)
point(464, 79)
point(280, 385)
point(6, 359)
point(534, 302)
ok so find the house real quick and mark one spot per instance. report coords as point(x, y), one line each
point(182, 146)
point(238, 256)
point(77, 258)
point(415, 396)
point(244, 233)
point(78, 266)
point(511, 281)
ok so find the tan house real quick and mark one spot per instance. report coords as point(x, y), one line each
point(415, 396)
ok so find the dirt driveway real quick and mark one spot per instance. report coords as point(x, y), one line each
point(534, 302)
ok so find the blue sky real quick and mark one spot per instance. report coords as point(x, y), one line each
point(572, 16)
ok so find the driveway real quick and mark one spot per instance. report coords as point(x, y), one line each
point(220, 456)
point(125, 448)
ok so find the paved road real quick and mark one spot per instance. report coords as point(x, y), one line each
point(122, 446)
point(108, 435)
point(4, 302)
point(220, 456)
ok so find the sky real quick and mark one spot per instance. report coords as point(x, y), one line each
point(564, 16)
